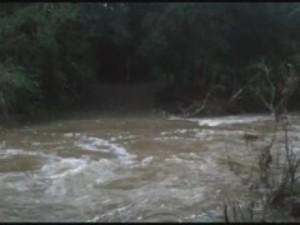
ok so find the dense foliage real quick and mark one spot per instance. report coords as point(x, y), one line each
point(52, 53)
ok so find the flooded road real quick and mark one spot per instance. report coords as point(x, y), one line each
point(125, 168)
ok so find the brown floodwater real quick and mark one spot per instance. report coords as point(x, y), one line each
point(126, 168)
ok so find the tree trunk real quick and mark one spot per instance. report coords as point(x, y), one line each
point(4, 108)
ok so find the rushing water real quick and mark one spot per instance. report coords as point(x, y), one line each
point(124, 168)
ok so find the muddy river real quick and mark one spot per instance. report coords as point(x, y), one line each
point(125, 168)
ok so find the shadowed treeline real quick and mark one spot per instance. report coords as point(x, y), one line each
point(52, 54)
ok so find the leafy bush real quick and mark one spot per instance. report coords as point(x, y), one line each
point(17, 88)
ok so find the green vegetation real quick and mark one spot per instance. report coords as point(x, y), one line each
point(53, 53)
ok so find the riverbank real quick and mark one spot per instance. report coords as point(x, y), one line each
point(146, 98)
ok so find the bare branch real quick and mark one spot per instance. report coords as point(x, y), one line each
point(267, 74)
point(239, 92)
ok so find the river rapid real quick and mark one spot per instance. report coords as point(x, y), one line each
point(146, 168)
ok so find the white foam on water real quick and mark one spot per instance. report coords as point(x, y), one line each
point(68, 135)
point(73, 177)
point(58, 171)
point(35, 143)
point(178, 131)
point(123, 137)
point(295, 148)
point(182, 131)
point(70, 175)
point(90, 147)
point(63, 167)
point(174, 138)
point(94, 219)
point(131, 136)
point(113, 139)
point(19, 186)
point(164, 133)
point(226, 120)
point(77, 134)
point(12, 152)
point(146, 161)
point(205, 134)
point(101, 145)
point(195, 134)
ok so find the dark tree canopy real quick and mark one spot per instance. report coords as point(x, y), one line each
point(52, 53)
